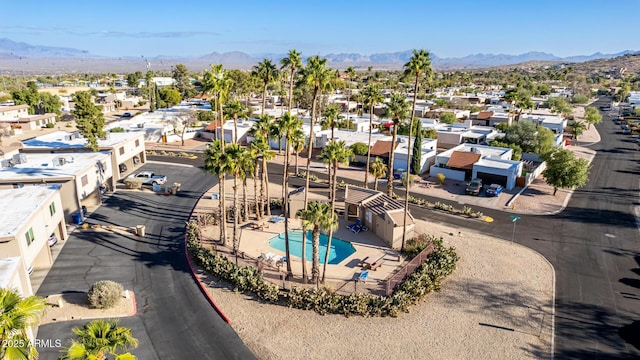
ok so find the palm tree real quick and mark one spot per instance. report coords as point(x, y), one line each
point(351, 74)
point(318, 77)
point(397, 109)
point(315, 217)
point(378, 169)
point(260, 131)
point(216, 82)
point(233, 157)
point(234, 109)
point(288, 125)
point(297, 144)
point(371, 96)
point(267, 72)
point(334, 154)
point(331, 118)
point(100, 338)
point(577, 128)
point(17, 315)
point(292, 61)
point(213, 163)
point(247, 166)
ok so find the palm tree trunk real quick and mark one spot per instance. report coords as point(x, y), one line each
point(315, 243)
point(297, 156)
point(236, 215)
point(375, 185)
point(255, 190)
point(235, 129)
point(391, 156)
point(223, 212)
point(262, 191)
point(245, 207)
point(285, 210)
point(264, 98)
point(333, 207)
point(366, 172)
point(408, 184)
point(310, 148)
point(291, 93)
point(265, 174)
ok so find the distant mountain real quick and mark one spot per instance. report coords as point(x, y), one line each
point(45, 58)
point(20, 49)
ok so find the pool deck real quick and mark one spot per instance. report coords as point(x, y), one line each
point(254, 241)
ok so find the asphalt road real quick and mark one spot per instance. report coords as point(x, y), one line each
point(174, 320)
point(593, 245)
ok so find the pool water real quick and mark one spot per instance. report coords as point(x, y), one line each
point(340, 249)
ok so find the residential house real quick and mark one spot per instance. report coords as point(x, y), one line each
point(13, 275)
point(83, 177)
point(30, 216)
point(427, 157)
point(382, 214)
point(127, 150)
point(19, 118)
point(469, 161)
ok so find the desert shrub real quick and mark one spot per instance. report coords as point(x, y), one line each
point(117, 130)
point(441, 178)
point(416, 244)
point(359, 148)
point(132, 183)
point(104, 294)
point(467, 210)
point(49, 125)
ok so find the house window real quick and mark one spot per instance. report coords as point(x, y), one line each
point(29, 236)
point(137, 142)
point(121, 150)
point(84, 180)
point(52, 208)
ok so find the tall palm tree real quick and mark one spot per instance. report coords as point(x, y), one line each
point(297, 144)
point(17, 315)
point(234, 109)
point(371, 96)
point(318, 77)
point(214, 164)
point(378, 169)
point(267, 72)
point(233, 157)
point(418, 65)
point(292, 61)
point(351, 74)
point(288, 125)
point(100, 338)
point(398, 110)
point(334, 154)
point(217, 83)
point(247, 166)
point(315, 217)
point(261, 131)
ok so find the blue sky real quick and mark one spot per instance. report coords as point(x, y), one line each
point(446, 28)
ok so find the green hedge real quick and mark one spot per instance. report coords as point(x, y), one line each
point(425, 279)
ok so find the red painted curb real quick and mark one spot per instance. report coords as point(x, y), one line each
point(135, 305)
point(202, 286)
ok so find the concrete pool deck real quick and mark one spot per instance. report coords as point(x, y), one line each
point(255, 242)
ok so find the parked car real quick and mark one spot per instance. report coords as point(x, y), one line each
point(52, 240)
point(150, 178)
point(127, 114)
point(474, 187)
point(626, 131)
point(494, 190)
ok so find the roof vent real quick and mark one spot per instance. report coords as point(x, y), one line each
point(385, 203)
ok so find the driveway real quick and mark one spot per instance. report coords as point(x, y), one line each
point(174, 320)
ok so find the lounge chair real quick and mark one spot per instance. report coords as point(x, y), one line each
point(354, 225)
point(363, 276)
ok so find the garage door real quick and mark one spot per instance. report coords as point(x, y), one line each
point(488, 179)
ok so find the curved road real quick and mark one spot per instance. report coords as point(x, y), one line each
point(174, 320)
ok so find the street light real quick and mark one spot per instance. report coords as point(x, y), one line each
point(514, 219)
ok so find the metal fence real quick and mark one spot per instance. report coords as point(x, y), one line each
point(408, 269)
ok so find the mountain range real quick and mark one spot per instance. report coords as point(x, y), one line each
point(40, 58)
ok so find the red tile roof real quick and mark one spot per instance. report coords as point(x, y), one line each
point(484, 115)
point(463, 160)
point(381, 148)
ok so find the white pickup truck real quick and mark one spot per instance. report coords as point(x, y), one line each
point(148, 177)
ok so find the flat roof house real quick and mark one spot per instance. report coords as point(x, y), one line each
point(427, 157)
point(468, 161)
point(127, 150)
point(82, 177)
point(30, 215)
point(14, 276)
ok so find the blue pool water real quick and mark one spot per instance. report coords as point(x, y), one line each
point(340, 249)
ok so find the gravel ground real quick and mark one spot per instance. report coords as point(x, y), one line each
point(76, 307)
point(496, 305)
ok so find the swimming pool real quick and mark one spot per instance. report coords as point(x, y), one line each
point(340, 249)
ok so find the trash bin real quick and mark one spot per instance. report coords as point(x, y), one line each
point(157, 187)
point(77, 218)
point(175, 188)
point(140, 230)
